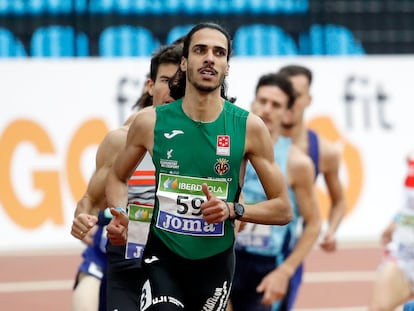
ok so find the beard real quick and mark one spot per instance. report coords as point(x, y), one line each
point(204, 88)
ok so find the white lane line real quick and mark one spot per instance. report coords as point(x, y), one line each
point(35, 286)
point(334, 309)
point(400, 308)
point(43, 253)
point(346, 276)
point(310, 277)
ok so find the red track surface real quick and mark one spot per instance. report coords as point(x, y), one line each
point(333, 281)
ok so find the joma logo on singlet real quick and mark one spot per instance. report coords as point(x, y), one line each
point(190, 226)
point(173, 134)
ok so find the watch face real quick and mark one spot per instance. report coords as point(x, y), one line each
point(238, 210)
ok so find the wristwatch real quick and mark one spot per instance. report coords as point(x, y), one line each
point(238, 210)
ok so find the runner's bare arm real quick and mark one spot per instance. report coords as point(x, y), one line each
point(330, 165)
point(259, 151)
point(139, 140)
point(93, 199)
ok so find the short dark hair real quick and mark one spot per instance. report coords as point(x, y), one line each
point(189, 37)
point(168, 54)
point(296, 70)
point(282, 82)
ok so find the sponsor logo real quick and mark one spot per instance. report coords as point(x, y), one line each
point(173, 134)
point(223, 145)
point(192, 185)
point(171, 183)
point(150, 260)
point(95, 270)
point(187, 225)
point(141, 213)
point(147, 300)
point(134, 250)
point(170, 164)
point(219, 300)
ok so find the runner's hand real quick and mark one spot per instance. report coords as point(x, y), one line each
point(117, 229)
point(82, 224)
point(214, 210)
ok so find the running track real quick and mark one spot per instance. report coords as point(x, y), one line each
point(340, 281)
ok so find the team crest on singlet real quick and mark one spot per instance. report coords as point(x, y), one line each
point(222, 166)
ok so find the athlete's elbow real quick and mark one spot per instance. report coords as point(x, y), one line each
point(289, 215)
point(285, 214)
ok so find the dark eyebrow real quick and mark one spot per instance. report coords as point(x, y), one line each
point(164, 77)
point(214, 47)
point(200, 45)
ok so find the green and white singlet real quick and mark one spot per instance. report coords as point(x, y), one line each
point(186, 154)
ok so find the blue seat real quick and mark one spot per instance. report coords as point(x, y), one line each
point(41, 6)
point(241, 6)
point(295, 6)
point(119, 41)
point(9, 45)
point(132, 7)
point(201, 6)
point(13, 7)
point(58, 41)
point(276, 6)
point(153, 6)
point(329, 40)
point(263, 40)
point(101, 6)
point(4, 7)
point(177, 32)
point(52, 6)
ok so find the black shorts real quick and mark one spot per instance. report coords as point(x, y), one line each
point(124, 281)
point(175, 283)
point(123, 289)
point(250, 270)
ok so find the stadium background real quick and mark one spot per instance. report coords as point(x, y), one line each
point(70, 70)
point(82, 28)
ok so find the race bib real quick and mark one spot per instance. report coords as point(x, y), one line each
point(180, 199)
point(138, 228)
point(254, 235)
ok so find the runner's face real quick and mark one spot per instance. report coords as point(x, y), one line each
point(303, 98)
point(270, 105)
point(159, 89)
point(207, 64)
